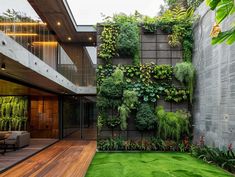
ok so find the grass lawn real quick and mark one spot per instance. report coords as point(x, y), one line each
point(137, 164)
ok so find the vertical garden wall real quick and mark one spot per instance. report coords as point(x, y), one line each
point(143, 94)
point(13, 112)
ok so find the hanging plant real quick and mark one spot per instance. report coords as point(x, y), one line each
point(185, 73)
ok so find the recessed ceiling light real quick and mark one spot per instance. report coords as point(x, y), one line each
point(58, 23)
point(3, 67)
point(90, 38)
point(69, 38)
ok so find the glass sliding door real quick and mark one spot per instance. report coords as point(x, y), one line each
point(79, 117)
point(89, 130)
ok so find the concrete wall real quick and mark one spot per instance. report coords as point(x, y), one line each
point(214, 103)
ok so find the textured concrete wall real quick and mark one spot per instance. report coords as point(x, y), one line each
point(214, 103)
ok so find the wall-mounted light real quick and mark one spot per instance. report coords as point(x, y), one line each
point(51, 43)
point(3, 66)
point(21, 34)
point(69, 38)
point(22, 23)
point(58, 23)
point(90, 38)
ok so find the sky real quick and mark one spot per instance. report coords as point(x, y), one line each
point(88, 12)
point(18, 5)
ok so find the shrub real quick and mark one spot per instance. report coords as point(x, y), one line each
point(112, 87)
point(128, 40)
point(145, 118)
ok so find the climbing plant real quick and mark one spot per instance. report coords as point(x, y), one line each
point(108, 46)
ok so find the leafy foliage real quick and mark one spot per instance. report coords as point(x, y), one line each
point(223, 8)
point(128, 40)
point(142, 79)
point(176, 21)
point(120, 37)
point(149, 24)
point(228, 36)
point(109, 99)
point(144, 73)
point(147, 144)
point(224, 159)
point(176, 95)
point(163, 72)
point(145, 118)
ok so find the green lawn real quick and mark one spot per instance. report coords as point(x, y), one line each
point(151, 164)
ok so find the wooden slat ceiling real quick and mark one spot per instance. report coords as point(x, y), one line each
point(53, 11)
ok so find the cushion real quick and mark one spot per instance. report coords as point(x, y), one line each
point(14, 134)
point(4, 134)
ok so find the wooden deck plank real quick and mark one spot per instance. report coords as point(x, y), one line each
point(65, 158)
point(11, 157)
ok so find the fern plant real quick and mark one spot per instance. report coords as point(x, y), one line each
point(172, 124)
point(185, 73)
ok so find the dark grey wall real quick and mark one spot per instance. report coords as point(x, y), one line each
point(214, 105)
point(155, 48)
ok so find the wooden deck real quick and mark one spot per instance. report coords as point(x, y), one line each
point(12, 157)
point(66, 158)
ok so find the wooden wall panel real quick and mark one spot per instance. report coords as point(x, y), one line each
point(44, 118)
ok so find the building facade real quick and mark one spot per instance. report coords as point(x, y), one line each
point(46, 61)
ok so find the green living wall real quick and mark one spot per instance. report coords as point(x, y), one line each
point(131, 92)
point(13, 112)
